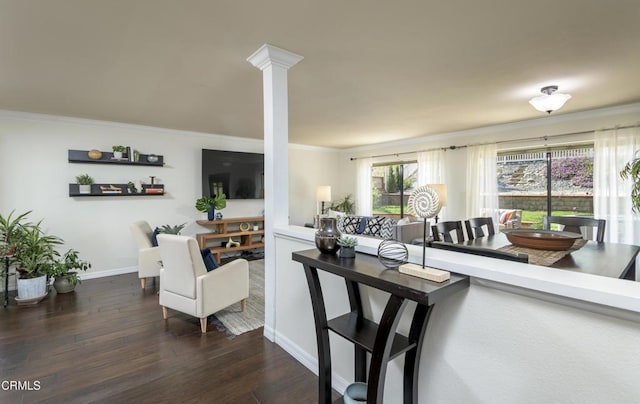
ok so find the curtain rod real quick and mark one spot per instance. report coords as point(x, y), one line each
point(454, 147)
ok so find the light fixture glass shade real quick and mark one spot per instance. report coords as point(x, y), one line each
point(549, 101)
point(323, 193)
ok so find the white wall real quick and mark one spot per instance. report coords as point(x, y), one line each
point(36, 174)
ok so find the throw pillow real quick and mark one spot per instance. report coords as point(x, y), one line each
point(154, 237)
point(374, 225)
point(209, 259)
point(350, 224)
point(505, 216)
point(386, 230)
point(362, 225)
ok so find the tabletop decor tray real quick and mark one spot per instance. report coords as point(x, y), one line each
point(542, 239)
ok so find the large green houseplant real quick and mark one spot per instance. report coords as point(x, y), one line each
point(10, 227)
point(632, 171)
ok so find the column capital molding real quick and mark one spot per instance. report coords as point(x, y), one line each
point(268, 55)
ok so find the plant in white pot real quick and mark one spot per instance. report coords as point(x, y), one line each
point(35, 255)
point(117, 151)
point(65, 271)
point(84, 183)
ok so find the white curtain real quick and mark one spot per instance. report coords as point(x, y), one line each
point(611, 194)
point(482, 181)
point(431, 171)
point(363, 196)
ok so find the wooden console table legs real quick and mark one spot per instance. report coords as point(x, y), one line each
point(379, 339)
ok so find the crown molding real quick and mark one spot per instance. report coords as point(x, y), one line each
point(268, 55)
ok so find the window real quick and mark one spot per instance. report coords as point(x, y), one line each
point(391, 185)
point(522, 182)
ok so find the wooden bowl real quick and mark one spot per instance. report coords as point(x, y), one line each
point(542, 239)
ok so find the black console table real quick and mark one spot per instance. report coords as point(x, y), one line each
point(381, 340)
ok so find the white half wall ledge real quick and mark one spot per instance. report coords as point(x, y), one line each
point(267, 55)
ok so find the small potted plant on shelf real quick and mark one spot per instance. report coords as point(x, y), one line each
point(65, 271)
point(84, 183)
point(117, 151)
point(347, 246)
point(209, 204)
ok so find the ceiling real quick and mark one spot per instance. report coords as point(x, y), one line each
point(373, 71)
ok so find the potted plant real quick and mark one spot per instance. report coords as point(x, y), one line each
point(117, 151)
point(347, 246)
point(632, 171)
point(169, 229)
point(65, 271)
point(210, 204)
point(84, 183)
point(35, 254)
point(10, 227)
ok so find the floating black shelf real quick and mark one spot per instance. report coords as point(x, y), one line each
point(97, 191)
point(82, 156)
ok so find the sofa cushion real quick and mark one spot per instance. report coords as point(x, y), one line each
point(506, 215)
point(350, 224)
point(373, 226)
point(209, 259)
point(387, 229)
point(154, 237)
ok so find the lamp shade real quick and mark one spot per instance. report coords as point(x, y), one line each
point(441, 189)
point(323, 193)
point(550, 100)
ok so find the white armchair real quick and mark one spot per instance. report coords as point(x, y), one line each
point(186, 286)
point(149, 261)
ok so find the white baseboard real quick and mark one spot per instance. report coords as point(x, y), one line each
point(269, 333)
point(310, 362)
point(108, 272)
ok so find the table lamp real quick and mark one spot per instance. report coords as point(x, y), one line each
point(323, 194)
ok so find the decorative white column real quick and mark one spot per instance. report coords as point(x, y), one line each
point(274, 63)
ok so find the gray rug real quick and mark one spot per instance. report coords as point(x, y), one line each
point(235, 322)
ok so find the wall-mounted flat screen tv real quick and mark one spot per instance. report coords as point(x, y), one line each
point(236, 174)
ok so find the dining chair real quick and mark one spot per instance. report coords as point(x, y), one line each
point(484, 252)
point(442, 231)
point(577, 224)
point(475, 227)
point(186, 286)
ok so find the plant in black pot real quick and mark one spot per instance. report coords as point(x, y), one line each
point(209, 204)
point(65, 271)
point(347, 246)
point(35, 255)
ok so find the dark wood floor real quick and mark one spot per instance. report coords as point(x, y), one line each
point(107, 342)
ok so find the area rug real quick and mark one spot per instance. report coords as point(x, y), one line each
point(232, 320)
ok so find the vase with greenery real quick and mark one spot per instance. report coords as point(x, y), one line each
point(118, 150)
point(347, 246)
point(209, 204)
point(632, 171)
point(84, 183)
point(65, 271)
point(10, 227)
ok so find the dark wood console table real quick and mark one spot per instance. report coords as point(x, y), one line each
point(381, 340)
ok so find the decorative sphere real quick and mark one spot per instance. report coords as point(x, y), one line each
point(95, 154)
point(392, 253)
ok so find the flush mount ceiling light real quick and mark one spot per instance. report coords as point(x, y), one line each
point(550, 100)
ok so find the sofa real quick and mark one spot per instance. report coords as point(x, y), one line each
point(403, 230)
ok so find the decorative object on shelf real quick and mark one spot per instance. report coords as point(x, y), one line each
point(632, 171)
point(117, 151)
point(129, 153)
point(136, 155)
point(94, 154)
point(231, 243)
point(327, 236)
point(84, 183)
point(110, 189)
point(218, 216)
point(131, 187)
point(256, 227)
point(392, 253)
point(82, 156)
point(347, 246)
point(245, 226)
point(152, 158)
point(65, 271)
point(424, 202)
point(549, 101)
point(208, 204)
point(355, 393)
